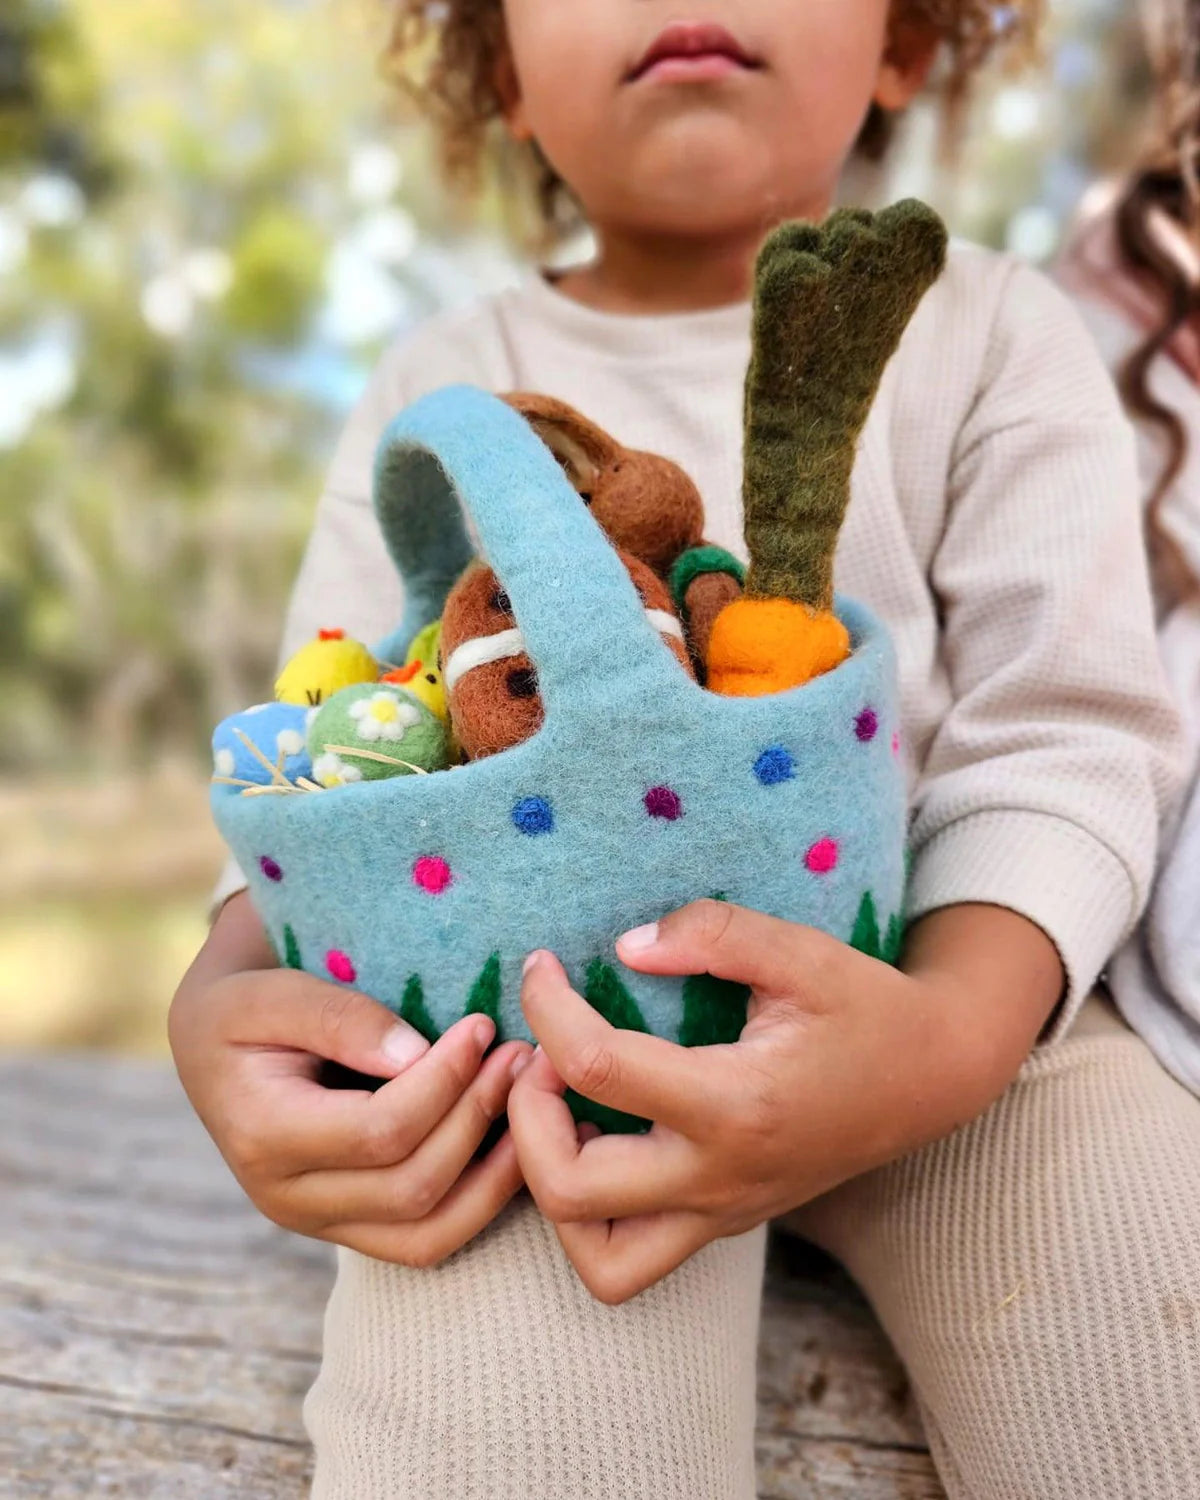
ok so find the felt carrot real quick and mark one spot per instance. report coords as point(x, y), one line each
point(830, 304)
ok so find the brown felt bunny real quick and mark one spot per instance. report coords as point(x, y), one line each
point(647, 505)
point(490, 679)
point(653, 514)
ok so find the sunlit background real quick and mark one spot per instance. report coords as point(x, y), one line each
point(212, 216)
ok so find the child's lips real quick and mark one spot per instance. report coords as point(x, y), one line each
point(691, 52)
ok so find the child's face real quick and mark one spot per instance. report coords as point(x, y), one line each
point(703, 117)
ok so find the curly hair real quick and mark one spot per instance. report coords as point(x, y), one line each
point(442, 54)
point(1166, 183)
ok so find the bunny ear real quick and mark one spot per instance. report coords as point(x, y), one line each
point(582, 448)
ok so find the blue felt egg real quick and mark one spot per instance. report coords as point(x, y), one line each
point(274, 729)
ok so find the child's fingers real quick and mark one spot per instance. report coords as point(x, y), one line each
point(627, 1070)
point(470, 1206)
point(285, 1125)
point(413, 1188)
point(730, 942)
point(617, 1261)
point(611, 1177)
point(285, 1009)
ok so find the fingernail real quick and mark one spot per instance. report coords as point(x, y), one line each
point(638, 939)
point(520, 1063)
point(403, 1045)
point(534, 958)
point(484, 1032)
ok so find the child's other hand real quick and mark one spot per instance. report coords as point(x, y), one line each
point(388, 1173)
point(844, 1064)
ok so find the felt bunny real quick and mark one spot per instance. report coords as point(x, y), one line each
point(490, 679)
point(647, 506)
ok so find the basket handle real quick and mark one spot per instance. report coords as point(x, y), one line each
point(460, 450)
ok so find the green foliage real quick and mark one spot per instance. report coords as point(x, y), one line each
point(179, 177)
point(277, 265)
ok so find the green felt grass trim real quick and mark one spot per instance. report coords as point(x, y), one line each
point(606, 993)
point(693, 564)
point(291, 949)
point(868, 938)
point(893, 943)
point(485, 993)
point(610, 1121)
point(831, 302)
point(714, 1010)
point(414, 1010)
point(865, 936)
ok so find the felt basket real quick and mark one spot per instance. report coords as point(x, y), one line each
point(640, 793)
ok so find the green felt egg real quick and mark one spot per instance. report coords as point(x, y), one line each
point(373, 730)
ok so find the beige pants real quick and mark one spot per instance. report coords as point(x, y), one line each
point(1038, 1273)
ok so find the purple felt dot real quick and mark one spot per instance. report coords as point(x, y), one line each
point(822, 858)
point(431, 873)
point(866, 726)
point(270, 868)
point(341, 966)
point(663, 802)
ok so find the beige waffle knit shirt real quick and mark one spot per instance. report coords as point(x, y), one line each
point(995, 527)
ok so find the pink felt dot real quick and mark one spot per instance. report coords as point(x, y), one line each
point(896, 743)
point(432, 874)
point(663, 802)
point(341, 966)
point(822, 857)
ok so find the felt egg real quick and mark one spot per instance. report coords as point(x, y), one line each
point(271, 733)
point(323, 667)
point(374, 730)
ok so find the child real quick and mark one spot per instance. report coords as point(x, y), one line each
point(1035, 1266)
point(1134, 267)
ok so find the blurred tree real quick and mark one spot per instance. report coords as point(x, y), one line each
point(205, 240)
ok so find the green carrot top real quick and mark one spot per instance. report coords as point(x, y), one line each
point(831, 302)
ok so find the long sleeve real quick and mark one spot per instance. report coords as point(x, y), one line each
point(1045, 783)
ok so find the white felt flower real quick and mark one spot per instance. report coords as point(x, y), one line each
point(330, 770)
point(383, 716)
point(224, 763)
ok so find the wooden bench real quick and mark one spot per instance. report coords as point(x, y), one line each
point(157, 1336)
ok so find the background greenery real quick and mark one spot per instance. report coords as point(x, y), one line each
point(211, 219)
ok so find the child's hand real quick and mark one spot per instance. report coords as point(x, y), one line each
point(844, 1064)
point(388, 1173)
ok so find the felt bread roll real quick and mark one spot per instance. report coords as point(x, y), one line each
point(491, 681)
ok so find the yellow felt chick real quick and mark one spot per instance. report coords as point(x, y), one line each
point(323, 667)
point(421, 675)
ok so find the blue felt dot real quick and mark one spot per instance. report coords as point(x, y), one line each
point(775, 765)
point(533, 815)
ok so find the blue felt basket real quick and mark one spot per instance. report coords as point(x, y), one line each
point(641, 792)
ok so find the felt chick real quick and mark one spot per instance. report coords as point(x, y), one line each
point(830, 305)
point(421, 673)
point(323, 667)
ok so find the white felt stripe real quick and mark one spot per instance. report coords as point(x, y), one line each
point(665, 623)
point(480, 650)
